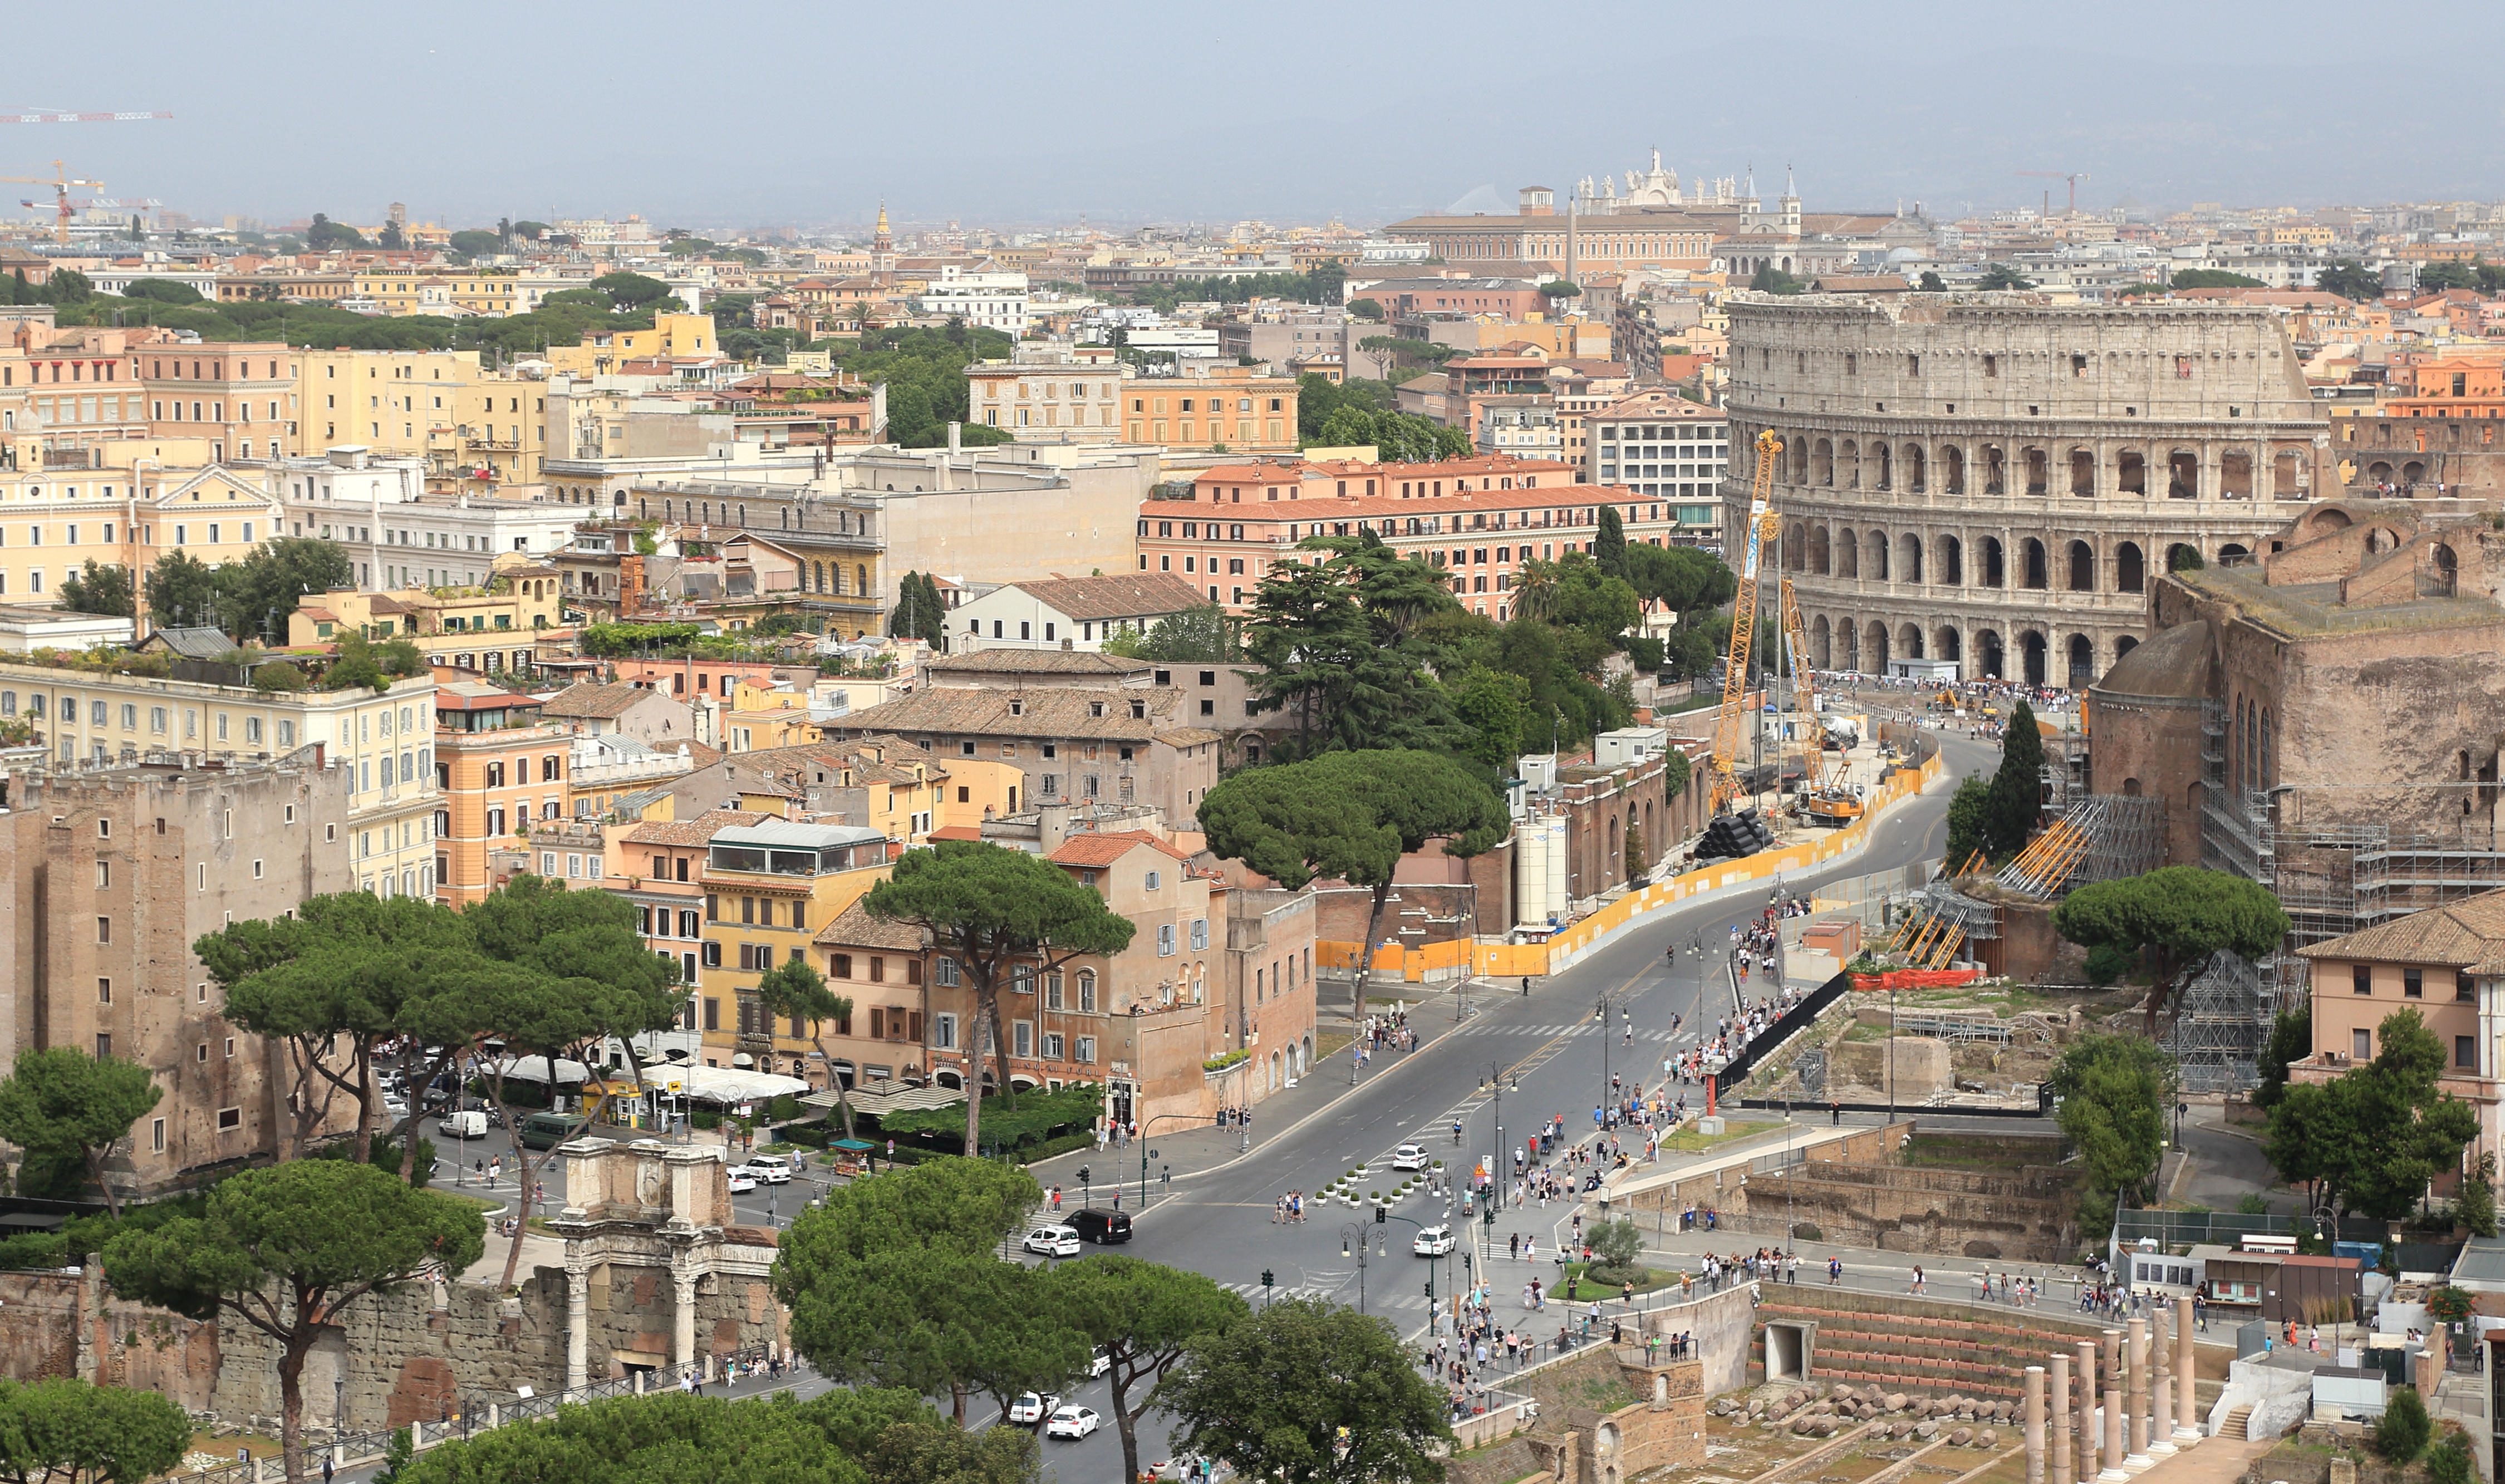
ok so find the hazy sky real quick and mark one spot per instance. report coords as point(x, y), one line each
point(771, 113)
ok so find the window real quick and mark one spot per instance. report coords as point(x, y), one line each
point(1199, 933)
point(157, 1136)
point(2413, 984)
point(945, 974)
point(2361, 1046)
point(1051, 1049)
point(2465, 1052)
point(230, 1119)
point(104, 930)
point(713, 1007)
point(1022, 1039)
point(2463, 991)
point(843, 966)
point(943, 1030)
point(2361, 980)
point(1165, 939)
point(1087, 1050)
point(103, 991)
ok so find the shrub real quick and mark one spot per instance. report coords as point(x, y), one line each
point(1804, 1232)
point(277, 675)
point(2447, 1462)
point(2106, 963)
point(2401, 1433)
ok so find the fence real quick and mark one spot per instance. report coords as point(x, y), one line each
point(1656, 1312)
point(2227, 1228)
point(1768, 1041)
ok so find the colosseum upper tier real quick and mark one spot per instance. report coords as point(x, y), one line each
point(1986, 479)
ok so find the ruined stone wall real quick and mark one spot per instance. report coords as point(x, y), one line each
point(67, 1323)
point(1983, 479)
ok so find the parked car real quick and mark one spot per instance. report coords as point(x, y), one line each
point(1031, 1409)
point(773, 1169)
point(548, 1130)
point(463, 1123)
point(1410, 1157)
point(1053, 1241)
point(1099, 1363)
point(1433, 1242)
point(1071, 1422)
point(1102, 1228)
point(740, 1178)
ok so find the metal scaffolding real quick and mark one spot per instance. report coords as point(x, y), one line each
point(2222, 1020)
point(2125, 836)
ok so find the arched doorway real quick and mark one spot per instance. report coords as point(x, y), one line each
point(1989, 659)
point(2083, 567)
point(1875, 647)
point(1948, 569)
point(2030, 556)
point(2083, 663)
point(2031, 651)
point(1821, 642)
point(1818, 549)
point(2128, 565)
point(1909, 566)
point(1946, 643)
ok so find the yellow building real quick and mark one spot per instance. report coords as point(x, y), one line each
point(128, 513)
point(395, 402)
point(501, 429)
point(519, 603)
point(769, 888)
point(1228, 408)
point(672, 336)
point(400, 291)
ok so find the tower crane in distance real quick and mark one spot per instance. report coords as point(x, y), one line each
point(2072, 176)
point(1729, 725)
point(60, 185)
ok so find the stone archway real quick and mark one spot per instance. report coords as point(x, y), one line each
point(2033, 652)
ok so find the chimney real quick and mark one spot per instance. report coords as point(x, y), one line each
point(955, 438)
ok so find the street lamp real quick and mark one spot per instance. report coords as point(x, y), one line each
point(1350, 1234)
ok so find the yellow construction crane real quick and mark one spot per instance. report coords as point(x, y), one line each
point(1729, 729)
point(60, 185)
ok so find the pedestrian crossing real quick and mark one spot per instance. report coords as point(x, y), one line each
point(1343, 1292)
point(1549, 1032)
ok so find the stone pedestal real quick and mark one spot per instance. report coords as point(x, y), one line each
point(1710, 1126)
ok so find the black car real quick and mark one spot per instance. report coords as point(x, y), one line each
point(1102, 1228)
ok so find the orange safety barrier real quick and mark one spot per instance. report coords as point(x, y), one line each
point(1917, 978)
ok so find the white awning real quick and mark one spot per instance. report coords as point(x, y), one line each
point(723, 1084)
point(884, 1097)
point(534, 1068)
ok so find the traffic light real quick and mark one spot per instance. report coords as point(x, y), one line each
point(1083, 1175)
point(1431, 1290)
point(1378, 1216)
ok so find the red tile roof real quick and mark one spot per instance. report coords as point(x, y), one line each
point(1097, 850)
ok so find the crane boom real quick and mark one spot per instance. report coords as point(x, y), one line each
point(1728, 730)
point(62, 118)
point(1808, 727)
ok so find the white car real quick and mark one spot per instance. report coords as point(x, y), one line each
point(1433, 1242)
point(773, 1169)
point(1410, 1157)
point(1030, 1408)
point(1098, 1364)
point(1071, 1422)
point(1053, 1241)
point(741, 1179)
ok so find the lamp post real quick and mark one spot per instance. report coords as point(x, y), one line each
point(1601, 1015)
point(1493, 1082)
point(1351, 1234)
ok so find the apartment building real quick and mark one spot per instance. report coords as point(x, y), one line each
point(1224, 408)
point(69, 388)
point(1069, 613)
point(396, 404)
point(1076, 745)
point(1051, 396)
point(983, 299)
point(1657, 444)
point(475, 291)
point(589, 709)
point(903, 791)
point(235, 395)
point(768, 887)
point(520, 601)
point(400, 535)
point(106, 878)
point(382, 741)
point(53, 520)
point(492, 786)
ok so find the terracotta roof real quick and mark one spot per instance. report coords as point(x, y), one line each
point(585, 699)
point(1096, 851)
point(692, 832)
point(965, 710)
point(956, 833)
point(1013, 661)
point(855, 928)
point(2463, 936)
point(1123, 595)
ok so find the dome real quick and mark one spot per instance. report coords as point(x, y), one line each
point(2175, 665)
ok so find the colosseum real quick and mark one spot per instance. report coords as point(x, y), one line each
point(1989, 480)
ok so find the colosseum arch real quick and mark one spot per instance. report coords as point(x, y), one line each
point(1875, 557)
point(1796, 454)
point(2083, 567)
point(1946, 643)
point(1795, 548)
point(1821, 463)
point(2123, 646)
point(2288, 474)
point(1874, 648)
point(2129, 568)
point(1887, 466)
point(2030, 564)
point(1995, 470)
point(1818, 549)
point(2083, 663)
point(2234, 475)
point(2232, 552)
point(1917, 467)
point(2038, 469)
point(1909, 641)
point(1850, 637)
point(1991, 659)
point(1948, 564)
point(2183, 475)
point(1996, 565)
point(2083, 473)
point(1848, 552)
point(2378, 473)
point(1909, 558)
point(2414, 472)
point(1821, 644)
point(2031, 649)
point(1953, 470)
point(2131, 473)
point(1849, 455)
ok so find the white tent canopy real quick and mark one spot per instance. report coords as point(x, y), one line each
point(534, 1068)
point(724, 1084)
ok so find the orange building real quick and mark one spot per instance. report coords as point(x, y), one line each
point(497, 778)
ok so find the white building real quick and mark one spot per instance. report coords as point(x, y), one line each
point(984, 300)
point(397, 534)
point(1069, 613)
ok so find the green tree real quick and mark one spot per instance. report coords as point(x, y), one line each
point(2439, 277)
point(477, 245)
point(81, 1433)
point(2401, 1433)
point(1770, 279)
point(1496, 707)
point(326, 235)
point(918, 613)
point(2211, 278)
point(1969, 816)
point(2000, 275)
point(2474, 1205)
point(164, 291)
point(2116, 1092)
point(1609, 543)
point(993, 912)
point(2347, 277)
point(61, 1102)
point(2183, 913)
point(99, 589)
point(2017, 788)
point(1273, 1396)
point(2401, 1128)
point(1143, 1317)
point(67, 286)
point(262, 590)
point(2448, 1461)
point(633, 292)
point(1366, 309)
point(183, 591)
point(1556, 288)
point(1617, 1248)
point(1203, 635)
point(2291, 1040)
point(898, 1281)
point(1331, 640)
point(793, 989)
point(1931, 282)
point(286, 1250)
point(1351, 816)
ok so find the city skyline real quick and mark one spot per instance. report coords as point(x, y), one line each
point(1946, 112)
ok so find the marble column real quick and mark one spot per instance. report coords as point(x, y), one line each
point(2061, 1418)
point(2035, 1425)
point(2160, 1421)
point(578, 1323)
point(2087, 1441)
point(2113, 1471)
point(2187, 1408)
point(684, 1343)
point(2136, 1418)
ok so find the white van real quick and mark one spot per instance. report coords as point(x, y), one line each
point(464, 1123)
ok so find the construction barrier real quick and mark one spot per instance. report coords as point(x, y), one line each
point(1571, 945)
point(1917, 978)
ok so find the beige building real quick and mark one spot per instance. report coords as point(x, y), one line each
point(393, 402)
point(382, 742)
point(1058, 398)
point(106, 880)
point(55, 521)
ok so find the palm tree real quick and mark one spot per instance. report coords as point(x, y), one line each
point(1534, 591)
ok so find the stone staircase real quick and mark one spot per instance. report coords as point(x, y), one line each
point(1918, 1345)
point(2238, 1422)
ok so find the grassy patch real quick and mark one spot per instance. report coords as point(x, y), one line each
point(1570, 1290)
point(1692, 703)
point(1687, 1141)
point(1601, 1394)
point(1329, 1042)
